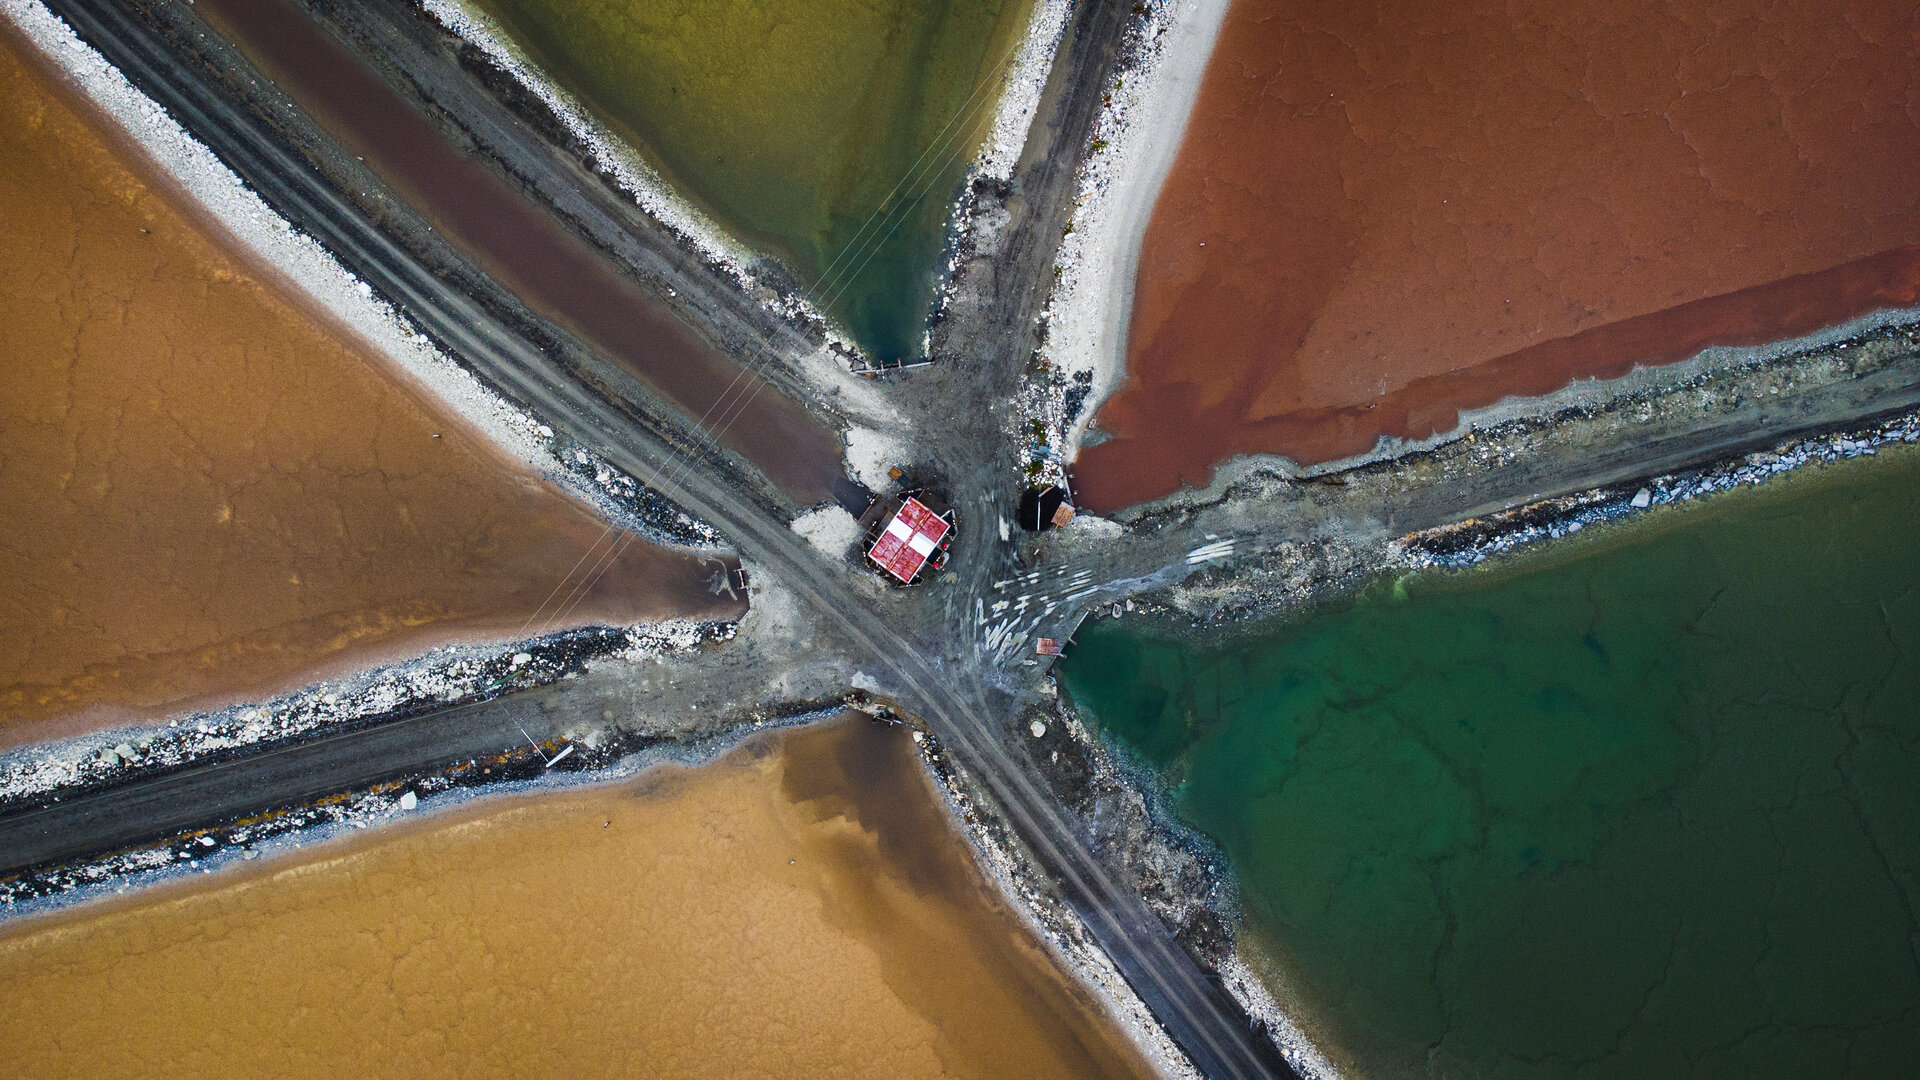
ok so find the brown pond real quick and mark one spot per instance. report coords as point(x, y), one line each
point(1384, 214)
point(209, 494)
point(802, 908)
point(523, 247)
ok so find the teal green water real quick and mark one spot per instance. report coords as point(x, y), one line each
point(793, 121)
point(1643, 805)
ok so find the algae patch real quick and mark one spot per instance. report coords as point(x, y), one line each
point(794, 125)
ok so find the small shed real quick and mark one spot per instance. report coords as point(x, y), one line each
point(1040, 508)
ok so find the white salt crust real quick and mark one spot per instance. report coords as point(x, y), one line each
point(831, 530)
point(448, 675)
point(270, 239)
point(1138, 136)
point(1026, 78)
point(871, 453)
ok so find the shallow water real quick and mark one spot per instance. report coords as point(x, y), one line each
point(206, 492)
point(794, 123)
point(1640, 803)
point(1381, 215)
point(802, 908)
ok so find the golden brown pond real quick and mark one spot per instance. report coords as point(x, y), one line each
point(802, 908)
point(207, 493)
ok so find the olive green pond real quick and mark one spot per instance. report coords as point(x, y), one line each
point(1640, 803)
point(832, 134)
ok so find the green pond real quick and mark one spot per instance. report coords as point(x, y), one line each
point(1641, 804)
point(795, 123)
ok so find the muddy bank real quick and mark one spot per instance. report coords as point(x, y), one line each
point(210, 494)
point(522, 246)
point(803, 906)
point(1380, 218)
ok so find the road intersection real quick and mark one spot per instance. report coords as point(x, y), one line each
point(953, 653)
point(721, 490)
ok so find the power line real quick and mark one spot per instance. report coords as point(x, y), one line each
point(834, 274)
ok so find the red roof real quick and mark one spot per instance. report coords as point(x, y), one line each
point(908, 540)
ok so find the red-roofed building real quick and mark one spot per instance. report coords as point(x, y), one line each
point(914, 539)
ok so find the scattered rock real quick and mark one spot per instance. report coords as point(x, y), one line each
point(409, 800)
point(1038, 727)
point(520, 659)
point(1642, 499)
